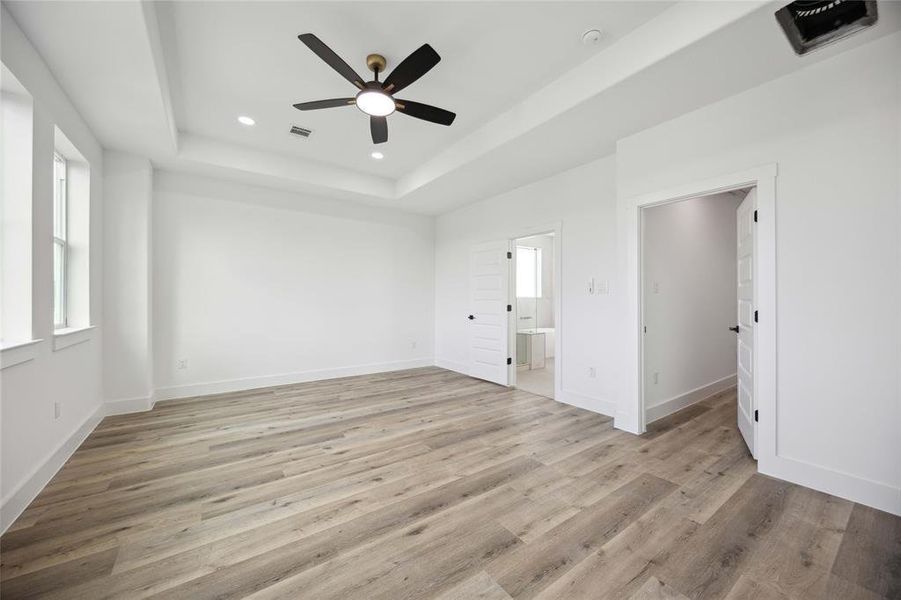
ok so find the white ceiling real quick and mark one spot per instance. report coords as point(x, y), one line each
point(168, 79)
point(244, 58)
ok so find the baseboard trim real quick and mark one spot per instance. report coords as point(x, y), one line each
point(585, 402)
point(124, 406)
point(676, 403)
point(850, 487)
point(19, 498)
point(250, 383)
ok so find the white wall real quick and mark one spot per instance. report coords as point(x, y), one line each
point(127, 350)
point(257, 287)
point(833, 130)
point(35, 444)
point(583, 201)
point(690, 301)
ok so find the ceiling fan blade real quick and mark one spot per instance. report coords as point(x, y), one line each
point(333, 60)
point(425, 112)
point(379, 128)
point(411, 68)
point(331, 103)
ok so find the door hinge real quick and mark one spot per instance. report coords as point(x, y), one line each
point(510, 254)
point(509, 361)
point(509, 308)
point(756, 416)
point(755, 216)
point(755, 316)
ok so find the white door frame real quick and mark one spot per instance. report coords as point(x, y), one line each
point(557, 229)
point(631, 412)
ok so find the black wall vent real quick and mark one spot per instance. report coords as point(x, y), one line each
point(301, 131)
point(810, 24)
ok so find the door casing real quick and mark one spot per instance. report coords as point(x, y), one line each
point(557, 229)
point(631, 410)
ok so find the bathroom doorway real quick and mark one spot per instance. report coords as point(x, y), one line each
point(534, 314)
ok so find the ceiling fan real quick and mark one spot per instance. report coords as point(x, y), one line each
point(376, 98)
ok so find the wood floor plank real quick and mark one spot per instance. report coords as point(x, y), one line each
point(719, 550)
point(270, 567)
point(478, 587)
point(870, 553)
point(654, 589)
point(61, 576)
point(524, 573)
point(429, 484)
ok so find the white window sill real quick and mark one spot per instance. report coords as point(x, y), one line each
point(63, 338)
point(18, 353)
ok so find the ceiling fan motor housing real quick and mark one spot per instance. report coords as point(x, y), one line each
point(376, 63)
point(376, 98)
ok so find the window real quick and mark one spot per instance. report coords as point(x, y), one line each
point(16, 174)
point(71, 240)
point(60, 242)
point(528, 272)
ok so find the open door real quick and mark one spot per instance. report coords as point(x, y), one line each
point(747, 423)
point(487, 320)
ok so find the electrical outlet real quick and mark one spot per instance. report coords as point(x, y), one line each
point(656, 377)
point(56, 410)
point(181, 364)
point(656, 287)
point(413, 345)
point(591, 372)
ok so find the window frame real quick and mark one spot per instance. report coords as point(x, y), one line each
point(60, 240)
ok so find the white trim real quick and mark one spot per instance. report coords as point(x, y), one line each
point(630, 413)
point(557, 228)
point(124, 406)
point(250, 383)
point(27, 490)
point(585, 402)
point(676, 403)
point(18, 353)
point(61, 215)
point(63, 338)
point(850, 487)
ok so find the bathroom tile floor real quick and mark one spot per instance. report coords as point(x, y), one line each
point(538, 381)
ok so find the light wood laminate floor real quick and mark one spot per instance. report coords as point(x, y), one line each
point(429, 484)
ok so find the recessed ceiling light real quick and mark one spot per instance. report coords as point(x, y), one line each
point(246, 120)
point(377, 155)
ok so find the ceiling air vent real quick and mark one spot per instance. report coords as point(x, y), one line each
point(809, 24)
point(301, 131)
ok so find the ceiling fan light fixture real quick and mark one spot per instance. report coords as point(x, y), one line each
point(375, 103)
point(376, 98)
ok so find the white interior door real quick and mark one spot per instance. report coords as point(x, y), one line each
point(488, 317)
point(746, 268)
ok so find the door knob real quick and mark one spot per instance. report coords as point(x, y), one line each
point(471, 317)
point(735, 329)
